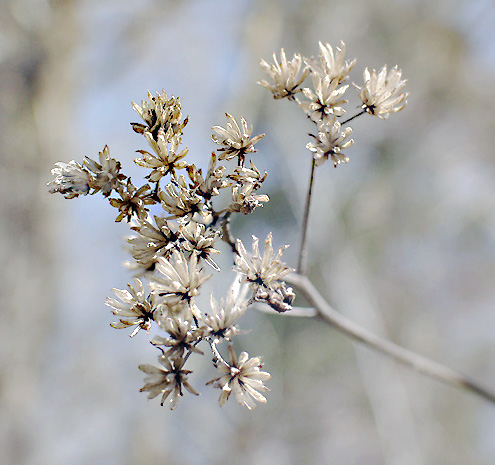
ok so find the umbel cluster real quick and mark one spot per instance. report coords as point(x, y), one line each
point(173, 250)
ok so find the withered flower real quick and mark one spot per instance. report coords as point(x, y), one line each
point(134, 308)
point(285, 76)
point(244, 378)
point(331, 64)
point(107, 172)
point(382, 93)
point(168, 380)
point(71, 180)
point(167, 158)
point(325, 101)
point(330, 142)
point(152, 242)
point(132, 201)
point(260, 270)
point(235, 141)
point(160, 112)
point(177, 279)
point(182, 337)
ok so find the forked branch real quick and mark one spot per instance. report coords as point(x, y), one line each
point(406, 357)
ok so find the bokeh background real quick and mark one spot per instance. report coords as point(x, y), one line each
point(402, 239)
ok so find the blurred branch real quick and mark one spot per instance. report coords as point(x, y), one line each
point(301, 264)
point(406, 357)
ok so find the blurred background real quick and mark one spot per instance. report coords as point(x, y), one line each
point(402, 239)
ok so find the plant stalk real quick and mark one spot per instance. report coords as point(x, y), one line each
point(406, 357)
point(303, 253)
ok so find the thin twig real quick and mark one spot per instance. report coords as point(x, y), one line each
point(216, 354)
point(301, 263)
point(353, 117)
point(408, 358)
point(227, 234)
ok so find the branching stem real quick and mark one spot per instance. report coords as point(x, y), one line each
point(406, 357)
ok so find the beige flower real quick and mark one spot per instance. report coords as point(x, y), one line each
point(134, 308)
point(382, 93)
point(179, 200)
point(71, 180)
point(106, 172)
point(331, 64)
point(152, 242)
point(235, 141)
point(244, 377)
point(224, 314)
point(183, 337)
point(167, 158)
point(244, 201)
point(200, 241)
point(330, 143)
point(160, 112)
point(285, 76)
point(167, 381)
point(326, 100)
point(132, 202)
point(177, 280)
point(243, 175)
point(210, 185)
point(260, 270)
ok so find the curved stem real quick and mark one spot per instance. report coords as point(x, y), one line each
point(216, 354)
point(301, 263)
point(406, 357)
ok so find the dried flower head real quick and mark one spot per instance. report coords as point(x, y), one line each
point(326, 100)
point(160, 112)
point(179, 200)
point(167, 158)
point(224, 314)
point(235, 141)
point(243, 175)
point(244, 201)
point(167, 381)
point(200, 241)
point(382, 93)
point(244, 377)
point(107, 172)
point(177, 280)
point(71, 180)
point(132, 201)
point(331, 64)
point(134, 308)
point(278, 296)
point(182, 337)
point(210, 185)
point(260, 270)
point(152, 242)
point(330, 143)
point(285, 76)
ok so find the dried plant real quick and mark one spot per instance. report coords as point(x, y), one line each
point(173, 251)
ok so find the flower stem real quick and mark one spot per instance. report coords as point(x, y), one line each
point(301, 264)
point(227, 234)
point(353, 117)
point(406, 357)
point(216, 353)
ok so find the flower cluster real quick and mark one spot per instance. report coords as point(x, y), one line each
point(178, 216)
point(324, 103)
point(173, 251)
